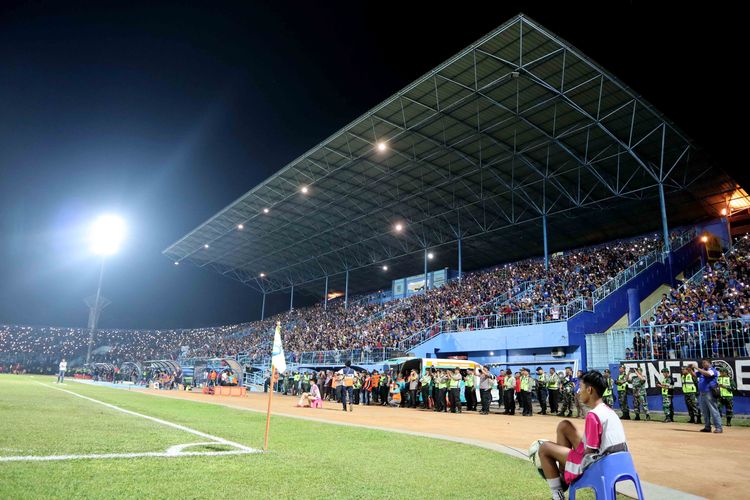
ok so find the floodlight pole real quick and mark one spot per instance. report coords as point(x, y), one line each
point(94, 312)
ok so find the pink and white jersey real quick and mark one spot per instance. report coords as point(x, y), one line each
point(603, 429)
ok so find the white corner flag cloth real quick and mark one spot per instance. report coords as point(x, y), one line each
point(277, 355)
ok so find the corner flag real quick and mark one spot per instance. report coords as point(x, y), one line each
point(277, 354)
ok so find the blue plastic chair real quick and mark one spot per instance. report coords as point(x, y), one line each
point(604, 474)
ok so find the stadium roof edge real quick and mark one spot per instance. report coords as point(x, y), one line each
point(352, 123)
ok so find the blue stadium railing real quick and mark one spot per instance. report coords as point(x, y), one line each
point(689, 340)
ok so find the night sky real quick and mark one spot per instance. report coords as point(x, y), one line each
point(165, 114)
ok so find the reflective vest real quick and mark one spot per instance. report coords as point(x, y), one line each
point(442, 383)
point(469, 381)
point(453, 383)
point(665, 387)
point(542, 379)
point(525, 383)
point(426, 381)
point(296, 377)
point(608, 390)
point(688, 384)
point(725, 392)
point(553, 382)
point(622, 382)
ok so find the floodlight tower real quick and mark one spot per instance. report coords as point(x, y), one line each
point(105, 236)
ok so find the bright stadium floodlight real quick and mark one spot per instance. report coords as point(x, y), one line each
point(240, 227)
point(399, 227)
point(206, 245)
point(262, 275)
point(265, 210)
point(385, 268)
point(304, 190)
point(106, 235)
point(381, 146)
point(430, 255)
point(177, 263)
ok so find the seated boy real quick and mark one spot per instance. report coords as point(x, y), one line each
point(565, 460)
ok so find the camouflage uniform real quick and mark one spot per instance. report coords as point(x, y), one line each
point(567, 387)
point(689, 390)
point(639, 397)
point(726, 398)
point(608, 399)
point(622, 395)
point(667, 393)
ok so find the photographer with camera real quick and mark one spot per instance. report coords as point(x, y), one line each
point(486, 380)
point(708, 390)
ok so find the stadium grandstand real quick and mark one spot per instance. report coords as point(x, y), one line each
point(518, 146)
point(518, 189)
point(517, 206)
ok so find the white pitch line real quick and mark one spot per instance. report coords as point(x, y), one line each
point(167, 454)
point(217, 439)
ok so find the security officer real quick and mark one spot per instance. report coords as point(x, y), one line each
point(726, 393)
point(306, 382)
point(454, 396)
point(667, 394)
point(526, 393)
point(607, 396)
point(541, 389)
point(622, 393)
point(567, 391)
point(553, 388)
point(690, 392)
point(442, 386)
point(426, 382)
point(295, 388)
point(640, 399)
point(470, 392)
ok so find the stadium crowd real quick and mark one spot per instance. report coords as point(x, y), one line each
point(492, 295)
point(709, 316)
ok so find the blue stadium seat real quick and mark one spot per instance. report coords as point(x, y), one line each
point(604, 474)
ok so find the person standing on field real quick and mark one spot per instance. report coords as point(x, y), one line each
point(690, 391)
point(61, 371)
point(541, 389)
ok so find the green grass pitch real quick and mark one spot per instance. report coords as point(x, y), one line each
point(306, 459)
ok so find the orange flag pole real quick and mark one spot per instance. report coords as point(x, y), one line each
point(268, 413)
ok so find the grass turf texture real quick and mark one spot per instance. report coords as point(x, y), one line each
point(307, 459)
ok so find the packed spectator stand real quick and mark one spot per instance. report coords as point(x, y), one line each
point(498, 294)
point(708, 315)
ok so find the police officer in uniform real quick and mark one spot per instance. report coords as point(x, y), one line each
point(454, 396)
point(442, 386)
point(690, 392)
point(607, 396)
point(667, 394)
point(470, 392)
point(526, 393)
point(726, 394)
point(567, 388)
point(426, 382)
point(541, 389)
point(622, 393)
point(640, 401)
point(553, 388)
point(509, 388)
